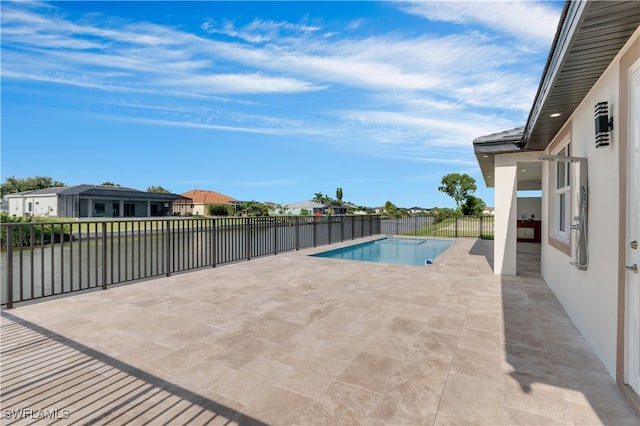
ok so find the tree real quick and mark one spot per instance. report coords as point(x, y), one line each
point(458, 186)
point(319, 197)
point(254, 208)
point(391, 209)
point(158, 190)
point(473, 206)
point(339, 194)
point(108, 183)
point(13, 184)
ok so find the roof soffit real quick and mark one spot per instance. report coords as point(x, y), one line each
point(590, 35)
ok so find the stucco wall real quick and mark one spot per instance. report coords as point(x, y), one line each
point(591, 297)
point(43, 205)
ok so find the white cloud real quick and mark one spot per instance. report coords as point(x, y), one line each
point(260, 31)
point(241, 83)
point(192, 125)
point(531, 20)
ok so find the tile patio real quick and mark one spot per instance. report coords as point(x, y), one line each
point(292, 339)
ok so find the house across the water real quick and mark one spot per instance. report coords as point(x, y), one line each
point(91, 201)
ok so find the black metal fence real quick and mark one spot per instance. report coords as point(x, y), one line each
point(451, 227)
point(41, 259)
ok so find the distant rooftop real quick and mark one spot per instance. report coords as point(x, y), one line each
point(87, 190)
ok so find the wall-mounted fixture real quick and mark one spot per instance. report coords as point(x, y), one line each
point(581, 260)
point(604, 124)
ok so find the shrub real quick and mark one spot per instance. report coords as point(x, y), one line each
point(217, 210)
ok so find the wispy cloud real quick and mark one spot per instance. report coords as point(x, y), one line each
point(260, 31)
point(409, 96)
point(210, 126)
point(531, 20)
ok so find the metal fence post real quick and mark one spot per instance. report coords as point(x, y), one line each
point(297, 233)
point(214, 243)
point(329, 225)
point(247, 240)
point(104, 256)
point(456, 227)
point(9, 229)
point(315, 242)
point(480, 226)
point(275, 235)
point(168, 248)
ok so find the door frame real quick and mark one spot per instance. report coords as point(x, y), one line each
point(632, 280)
point(628, 61)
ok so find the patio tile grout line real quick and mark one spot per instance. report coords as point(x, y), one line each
point(450, 366)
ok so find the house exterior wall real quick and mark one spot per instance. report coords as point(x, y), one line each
point(199, 209)
point(33, 205)
point(506, 210)
point(53, 205)
point(590, 297)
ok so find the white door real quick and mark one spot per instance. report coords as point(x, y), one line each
point(633, 235)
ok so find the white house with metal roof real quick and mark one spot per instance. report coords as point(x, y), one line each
point(90, 201)
point(311, 207)
point(581, 149)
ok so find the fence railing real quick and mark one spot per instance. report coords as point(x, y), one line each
point(41, 259)
point(452, 227)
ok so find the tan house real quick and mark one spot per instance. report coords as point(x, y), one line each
point(580, 148)
point(200, 200)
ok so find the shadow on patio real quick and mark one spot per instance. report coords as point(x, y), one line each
point(551, 371)
point(47, 377)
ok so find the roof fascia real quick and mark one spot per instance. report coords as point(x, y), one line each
point(573, 14)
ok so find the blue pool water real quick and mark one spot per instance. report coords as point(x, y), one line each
point(403, 251)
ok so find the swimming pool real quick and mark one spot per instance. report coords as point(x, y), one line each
point(403, 251)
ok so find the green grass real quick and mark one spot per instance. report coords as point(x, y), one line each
point(466, 227)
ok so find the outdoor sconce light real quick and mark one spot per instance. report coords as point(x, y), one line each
point(604, 124)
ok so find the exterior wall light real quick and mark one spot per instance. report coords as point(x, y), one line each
point(604, 124)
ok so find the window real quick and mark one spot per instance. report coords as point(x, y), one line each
point(562, 202)
point(99, 207)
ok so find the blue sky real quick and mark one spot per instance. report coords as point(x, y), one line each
point(267, 101)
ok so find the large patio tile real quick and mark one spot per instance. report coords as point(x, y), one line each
point(250, 381)
point(525, 393)
point(477, 363)
point(436, 341)
point(411, 402)
point(340, 404)
point(370, 371)
point(277, 406)
point(471, 400)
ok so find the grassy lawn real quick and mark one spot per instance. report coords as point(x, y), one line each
point(457, 227)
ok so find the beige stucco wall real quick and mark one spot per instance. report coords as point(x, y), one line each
point(591, 297)
point(506, 210)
